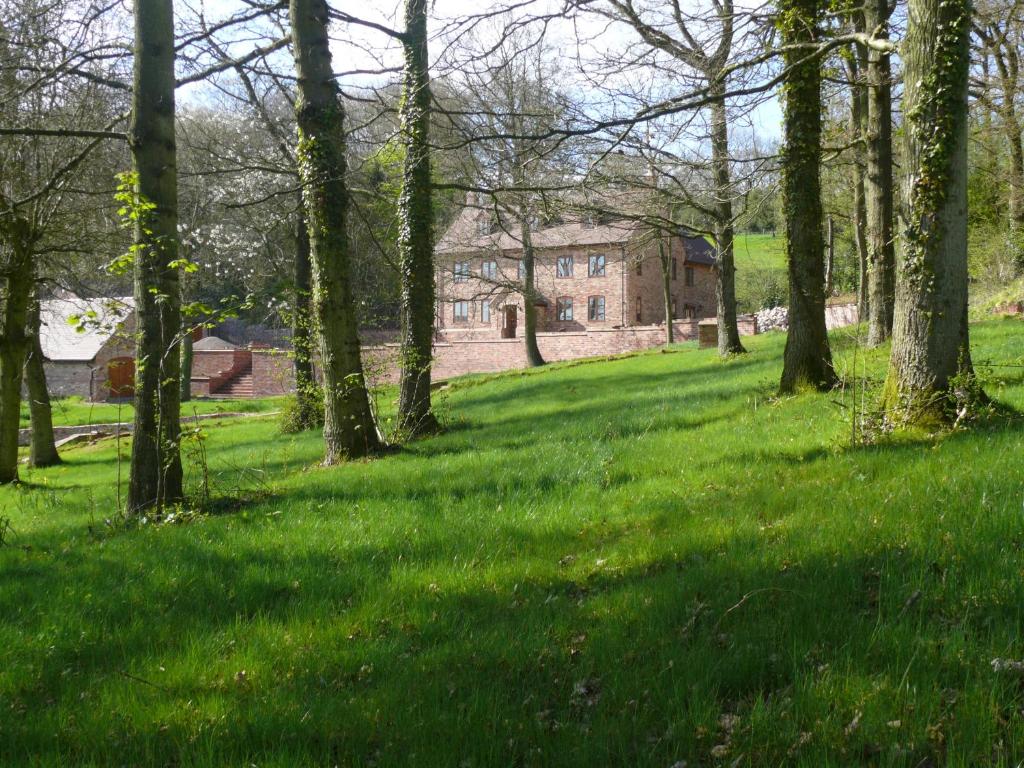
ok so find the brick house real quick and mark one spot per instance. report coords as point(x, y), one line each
point(589, 275)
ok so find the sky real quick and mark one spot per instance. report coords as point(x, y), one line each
point(580, 44)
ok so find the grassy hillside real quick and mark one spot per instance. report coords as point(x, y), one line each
point(756, 250)
point(760, 271)
point(74, 411)
point(635, 562)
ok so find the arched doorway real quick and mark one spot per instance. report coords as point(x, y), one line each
point(121, 376)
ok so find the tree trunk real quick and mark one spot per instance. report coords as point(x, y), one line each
point(807, 361)
point(858, 128)
point(350, 429)
point(830, 256)
point(725, 287)
point(930, 373)
point(155, 478)
point(13, 339)
point(305, 385)
point(533, 355)
point(665, 261)
point(186, 363)
point(879, 186)
point(43, 451)
point(1008, 74)
point(416, 234)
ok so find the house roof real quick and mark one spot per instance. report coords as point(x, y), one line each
point(101, 317)
point(213, 343)
point(700, 251)
point(463, 236)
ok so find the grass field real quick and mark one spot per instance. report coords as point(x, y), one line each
point(74, 411)
point(761, 278)
point(639, 562)
point(756, 250)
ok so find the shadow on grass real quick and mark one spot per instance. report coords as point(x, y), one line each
point(366, 652)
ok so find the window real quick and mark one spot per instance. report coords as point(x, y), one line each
point(533, 223)
point(461, 271)
point(639, 309)
point(675, 272)
point(489, 270)
point(563, 307)
point(485, 311)
point(595, 308)
point(596, 266)
point(674, 313)
point(688, 274)
point(522, 269)
point(564, 266)
point(689, 311)
point(639, 269)
point(589, 221)
point(483, 226)
point(460, 311)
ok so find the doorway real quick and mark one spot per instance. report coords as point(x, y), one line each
point(510, 321)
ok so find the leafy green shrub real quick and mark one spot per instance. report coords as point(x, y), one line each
point(303, 411)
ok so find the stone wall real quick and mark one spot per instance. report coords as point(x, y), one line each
point(69, 379)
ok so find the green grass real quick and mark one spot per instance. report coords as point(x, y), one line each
point(74, 411)
point(634, 562)
point(760, 251)
point(761, 279)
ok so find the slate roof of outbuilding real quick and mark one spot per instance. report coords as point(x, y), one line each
point(62, 341)
point(213, 343)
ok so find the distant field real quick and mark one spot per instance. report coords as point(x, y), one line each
point(73, 411)
point(760, 271)
point(760, 251)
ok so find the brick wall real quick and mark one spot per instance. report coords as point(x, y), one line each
point(273, 372)
point(209, 362)
point(499, 293)
point(456, 355)
point(647, 287)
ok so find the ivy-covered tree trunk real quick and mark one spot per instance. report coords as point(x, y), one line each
point(416, 233)
point(725, 287)
point(14, 306)
point(155, 478)
point(879, 185)
point(42, 449)
point(306, 391)
point(533, 356)
point(807, 360)
point(187, 357)
point(930, 373)
point(350, 429)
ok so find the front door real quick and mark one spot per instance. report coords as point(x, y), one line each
point(511, 320)
point(121, 375)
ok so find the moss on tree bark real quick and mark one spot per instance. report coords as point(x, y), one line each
point(807, 360)
point(350, 429)
point(416, 234)
point(930, 373)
